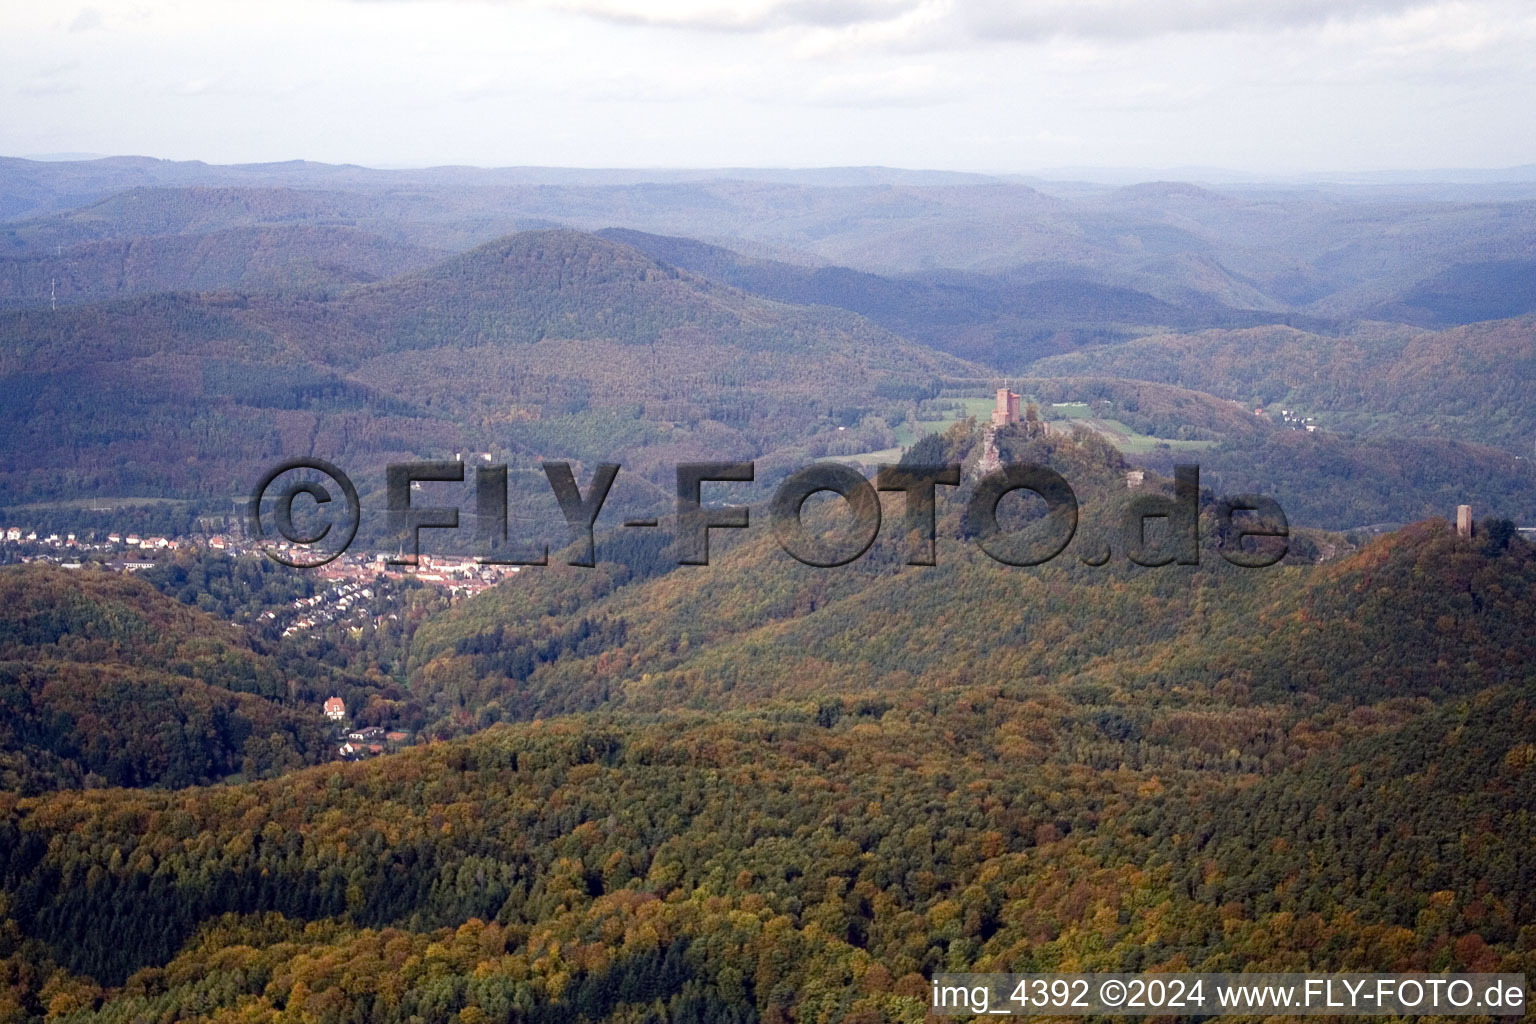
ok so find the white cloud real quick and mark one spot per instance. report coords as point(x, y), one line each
point(1132, 19)
point(902, 86)
point(967, 84)
point(956, 22)
point(741, 15)
point(87, 19)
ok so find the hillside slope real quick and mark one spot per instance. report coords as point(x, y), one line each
point(1465, 382)
point(558, 344)
point(106, 681)
point(1002, 320)
point(755, 627)
point(815, 853)
point(305, 259)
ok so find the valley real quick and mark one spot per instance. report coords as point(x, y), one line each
point(753, 790)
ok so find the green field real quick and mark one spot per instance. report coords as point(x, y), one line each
point(1062, 415)
point(94, 504)
point(909, 431)
point(1132, 443)
point(1068, 411)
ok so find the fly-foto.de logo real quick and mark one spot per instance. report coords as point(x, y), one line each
point(334, 512)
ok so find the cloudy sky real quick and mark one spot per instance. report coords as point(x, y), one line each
point(1258, 85)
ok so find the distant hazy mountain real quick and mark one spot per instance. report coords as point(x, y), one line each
point(299, 258)
point(759, 791)
point(551, 342)
point(1282, 250)
point(797, 303)
point(1004, 320)
point(29, 187)
point(1466, 293)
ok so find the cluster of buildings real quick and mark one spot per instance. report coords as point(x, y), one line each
point(114, 541)
point(326, 607)
point(370, 742)
point(367, 741)
point(349, 586)
point(353, 572)
point(1291, 418)
point(355, 582)
point(460, 575)
point(72, 552)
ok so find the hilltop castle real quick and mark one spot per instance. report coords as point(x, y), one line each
point(1007, 410)
point(1006, 413)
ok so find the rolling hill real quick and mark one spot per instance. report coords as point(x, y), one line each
point(1467, 293)
point(796, 803)
point(1465, 383)
point(1317, 254)
point(107, 682)
point(565, 344)
point(759, 628)
point(1002, 320)
point(758, 792)
point(1339, 482)
point(308, 259)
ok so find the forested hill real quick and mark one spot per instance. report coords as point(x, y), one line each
point(749, 868)
point(1002, 320)
point(304, 259)
point(1465, 382)
point(754, 791)
point(817, 853)
point(792, 794)
point(1420, 614)
point(105, 681)
point(568, 285)
point(557, 344)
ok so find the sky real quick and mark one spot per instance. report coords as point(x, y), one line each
point(1262, 86)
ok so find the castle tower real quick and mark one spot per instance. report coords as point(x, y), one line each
point(1464, 520)
point(1007, 408)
